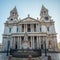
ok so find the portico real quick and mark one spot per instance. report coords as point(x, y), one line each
point(33, 42)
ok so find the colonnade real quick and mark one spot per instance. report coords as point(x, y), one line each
point(31, 28)
point(32, 40)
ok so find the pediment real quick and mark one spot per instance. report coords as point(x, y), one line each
point(29, 19)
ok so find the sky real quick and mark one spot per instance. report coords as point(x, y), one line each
point(32, 7)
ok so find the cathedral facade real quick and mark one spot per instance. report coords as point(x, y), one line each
point(29, 32)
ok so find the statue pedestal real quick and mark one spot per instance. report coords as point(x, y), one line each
point(25, 45)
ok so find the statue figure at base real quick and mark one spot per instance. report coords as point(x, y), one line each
point(25, 44)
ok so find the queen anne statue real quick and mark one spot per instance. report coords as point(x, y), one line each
point(25, 42)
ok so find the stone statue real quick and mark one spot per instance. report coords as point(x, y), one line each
point(25, 36)
point(25, 42)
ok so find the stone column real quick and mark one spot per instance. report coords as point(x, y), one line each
point(11, 43)
point(37, 42)
point(20, 42)
point(36, 27)
point(33, 42)
point(14, 43)
point(31, 27)
point(26, 27)
point(20, 27)
point(46, 42)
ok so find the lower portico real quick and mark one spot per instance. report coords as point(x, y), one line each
point(33, 42)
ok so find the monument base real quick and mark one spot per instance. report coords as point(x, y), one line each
point(37, 58)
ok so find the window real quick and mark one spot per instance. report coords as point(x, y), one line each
point(48, 28)
point(22, 27)
point(28, 28)
point(17, 29)
point(34, 27)
point(9, 30)
point(40, 29)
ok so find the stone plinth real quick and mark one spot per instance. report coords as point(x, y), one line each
point(37, 58)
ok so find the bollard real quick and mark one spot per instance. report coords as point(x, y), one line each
point(49, 57)
point(30, 57)
point(10, 57)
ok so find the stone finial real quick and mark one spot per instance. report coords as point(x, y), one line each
point(28, 15)
point(37, 18)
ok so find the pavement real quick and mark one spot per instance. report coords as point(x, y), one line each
point(54, 56)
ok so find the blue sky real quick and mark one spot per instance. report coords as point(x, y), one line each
point(32, 7)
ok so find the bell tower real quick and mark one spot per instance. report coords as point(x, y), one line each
point(44, 11)
point(44, 14)
point(13, 15)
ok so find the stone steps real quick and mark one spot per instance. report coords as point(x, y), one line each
point(37, 58)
